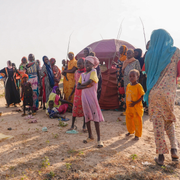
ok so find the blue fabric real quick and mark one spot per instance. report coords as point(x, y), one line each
point(159, 55)
point(50, 72)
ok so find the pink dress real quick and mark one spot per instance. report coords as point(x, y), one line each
point(91, 108)
point(77, 103)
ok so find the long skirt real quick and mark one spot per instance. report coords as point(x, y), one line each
point(33, 79)
point(11, 92)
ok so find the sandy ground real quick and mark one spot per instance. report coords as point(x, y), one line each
point(35, 155)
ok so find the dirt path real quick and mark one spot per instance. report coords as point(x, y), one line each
point(28, 154)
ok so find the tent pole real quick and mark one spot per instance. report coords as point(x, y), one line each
point(143, 31)
point(68, 45)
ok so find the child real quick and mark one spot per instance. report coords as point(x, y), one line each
point(52, 111)
point(55, 97)
point(77, 106)
point(88, 82)
point(64, 67)
point(134, 107)
point(26, 94)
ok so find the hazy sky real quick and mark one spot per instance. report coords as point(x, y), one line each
point(43, 27)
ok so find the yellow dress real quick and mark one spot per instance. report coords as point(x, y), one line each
point(134, 114)
point(69, 85)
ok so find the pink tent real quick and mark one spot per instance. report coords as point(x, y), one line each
point(106, 50)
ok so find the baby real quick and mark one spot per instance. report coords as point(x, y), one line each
point(64, 67)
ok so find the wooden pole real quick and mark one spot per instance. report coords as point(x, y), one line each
point(68, 45)
point(143, 31)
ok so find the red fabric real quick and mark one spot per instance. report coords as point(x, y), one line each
point(121, 90)
point(63, 108)
point(44, 88)
point(109, 94)
point(106, 50)
point(178, 71)
point(143, 68)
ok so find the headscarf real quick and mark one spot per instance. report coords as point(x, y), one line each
point(83, 69)
point(54, 89)
point(93, 59)
point(70, 53)
point(32, 57)
point(53, 60)
point(22, 60)
point(89, 49)
point(128, 61)
point(49, 72)
point(159, 55)
point(25, 75)
point(9, 64)
point(139, 58)
point(123, 56)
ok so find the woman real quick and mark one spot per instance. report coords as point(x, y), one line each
point(129, 64)
point(11, 92)
point(88, 52)
point(69, 85)
point(161, 69)
point(32, 69)
point(55, 97)
point(47, 80)
point(120, 79)
point(18, 77)
point(137, 55)
point(56, 72)
point(22, 66)
point(40, 83)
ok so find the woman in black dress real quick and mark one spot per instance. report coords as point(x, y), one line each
point(11, 92)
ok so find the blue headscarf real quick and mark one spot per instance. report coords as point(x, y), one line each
point(159, 55)
point(49, 72)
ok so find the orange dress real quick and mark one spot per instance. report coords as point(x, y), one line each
point(134, 114)
point(69, 85)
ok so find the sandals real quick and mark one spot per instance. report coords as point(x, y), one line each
point(85, 130)
point(75, 128)
point(157, 162)
point(23, 114)
point(100, 144)
point(72, 131)
point(88, 140)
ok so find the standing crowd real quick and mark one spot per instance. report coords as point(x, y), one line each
point(143, 83)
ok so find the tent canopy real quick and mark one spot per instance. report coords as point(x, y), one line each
point(106, 50)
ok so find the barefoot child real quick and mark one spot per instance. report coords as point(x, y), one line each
point(134, 107)
point(26, 93)
point(52, 111)
point(88, 82)
point(77, 105)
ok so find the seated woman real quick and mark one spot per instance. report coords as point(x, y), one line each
point(55, 97)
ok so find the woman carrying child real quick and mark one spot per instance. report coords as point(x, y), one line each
point(77, 105)
point(134, 106)
point(88, 82)
point(55, 96)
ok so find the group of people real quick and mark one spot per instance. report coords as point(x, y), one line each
point(149, 81)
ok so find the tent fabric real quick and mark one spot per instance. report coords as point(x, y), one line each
point(106, 50)
point(109, 95)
